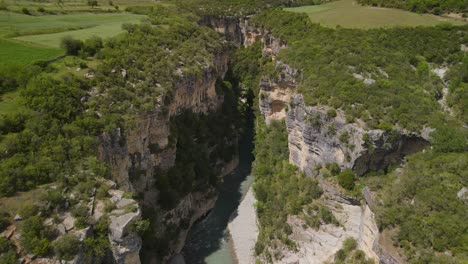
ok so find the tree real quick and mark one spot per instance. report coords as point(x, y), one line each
point(34, 236)
point(346, 179)
point(93, 45)
point(72, 46)
point(66, 247)
point(92, 3)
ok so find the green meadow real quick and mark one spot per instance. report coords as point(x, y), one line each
point(14, 52)
point(347, 13)
point(25, 39)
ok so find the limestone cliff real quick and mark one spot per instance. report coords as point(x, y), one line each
point(137, 154)
point(317, 136)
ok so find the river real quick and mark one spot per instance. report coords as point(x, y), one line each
point(208, 240)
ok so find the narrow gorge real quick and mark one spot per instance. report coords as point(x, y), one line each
point(313, 138)
point(239, 131)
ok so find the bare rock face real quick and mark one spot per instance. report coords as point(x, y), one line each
point(316, 139)
point(320, 246)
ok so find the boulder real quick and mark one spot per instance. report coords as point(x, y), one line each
point(463, 194)
point(118, 224)
point(125, 202)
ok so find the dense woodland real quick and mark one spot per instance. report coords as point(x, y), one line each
point(399, 60)
point(420, 200)
point(404, 95)
point(54, 135)
point(423, 6)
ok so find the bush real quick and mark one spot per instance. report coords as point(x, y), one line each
point(334, 168)
point(344, 137)
point(349, 245)
point(34, 236)
point(4, 221)
point(41, 9)
point(66, 247)
point(331, 113)
point(92, 3)
point(28, 210)
point(346, 179)
point(25, 11)
point(3, 5)
point(72, 46)
point(93, 45)
point(340, 256)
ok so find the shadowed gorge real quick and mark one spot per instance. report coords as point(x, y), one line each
point(233, 131)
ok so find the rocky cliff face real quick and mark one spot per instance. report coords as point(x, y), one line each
point(135, 155)
point(319, 135)
point(316, 138)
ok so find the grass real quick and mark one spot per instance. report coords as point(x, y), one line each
point(13, 205)
point(14, 52)
point(347, 13)
point(74, 6)
point(104, 30)
point(14, 24)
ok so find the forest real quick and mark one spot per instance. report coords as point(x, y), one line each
point(378, 75)
point(420, 200)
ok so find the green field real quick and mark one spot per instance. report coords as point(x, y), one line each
point(14, 52)
point(347, 13)
point(33, 43)
point(104, 30)
point(75, 6)
point(14, 24)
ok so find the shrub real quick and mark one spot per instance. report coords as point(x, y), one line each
point(28, 210)
point(3, 5)
point(344, 137)
point(41, 9)
point(25, 11)
point(7, 254)
point(331, 113)
point(34, 236)
point(349, 245)
point(334, 168)
point(4, 221)
point(80, 211)
point(72, 46)
point(346, 179)
point(66, 247)
point(93, 45)
point(92, 3)
point(80, 222)
point(340, 256)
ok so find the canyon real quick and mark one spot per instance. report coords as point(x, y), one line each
point(314, 141)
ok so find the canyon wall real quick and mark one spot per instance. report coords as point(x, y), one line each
point(137, 154)
point(319, 135)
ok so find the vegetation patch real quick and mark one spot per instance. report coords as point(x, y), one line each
point(421, 200)
point(21, 53)
point(281, 190)
point(102, 25)
point(335, 62)
point(426, 6)
point(349, 14)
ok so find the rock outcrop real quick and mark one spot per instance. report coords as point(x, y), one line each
point(316, 139)
point(125, 243)
point(137, 154)
point(319, 246)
